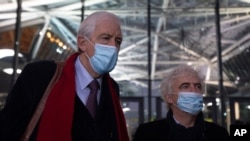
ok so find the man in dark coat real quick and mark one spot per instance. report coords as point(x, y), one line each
point(65, 116)
point(182, 92)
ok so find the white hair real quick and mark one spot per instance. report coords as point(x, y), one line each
point(88, 25)
point(170, 78)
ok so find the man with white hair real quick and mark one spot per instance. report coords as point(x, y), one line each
point(66, 115)
point(182, 90)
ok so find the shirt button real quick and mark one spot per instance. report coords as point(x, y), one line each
point(111, 134)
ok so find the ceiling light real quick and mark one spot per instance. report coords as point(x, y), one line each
point(209, 104)
point(189, 63)
point(10, 71)
point(248, 107)
point(126, 109)
point(8, 53)
point(58, 50)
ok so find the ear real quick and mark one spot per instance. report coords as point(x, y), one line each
point(168, 98)
point(81, 41)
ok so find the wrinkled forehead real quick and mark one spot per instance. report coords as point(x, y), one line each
point(108, 27)
point(110, 20)
point(187, 77)
point(101, 17)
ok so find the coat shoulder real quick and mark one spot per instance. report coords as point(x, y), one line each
point(154, 124)
point(215, 129)
point(154, 130)
point(40, 65)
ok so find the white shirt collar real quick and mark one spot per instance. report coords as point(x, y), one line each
point(83, 78)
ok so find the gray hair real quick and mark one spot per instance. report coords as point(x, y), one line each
point(179, 71)
point(88, 25)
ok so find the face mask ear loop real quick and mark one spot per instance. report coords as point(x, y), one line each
point(86, 55)
point(91, 44)
point(171, 97)
point(89, 41)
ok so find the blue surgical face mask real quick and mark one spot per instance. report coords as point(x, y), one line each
point(104, 58)
point(190, 102)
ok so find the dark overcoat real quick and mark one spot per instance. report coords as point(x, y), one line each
point(168, 130)
point(26, 94)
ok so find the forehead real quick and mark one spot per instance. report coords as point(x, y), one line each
point(186, 78)
point(108, 26)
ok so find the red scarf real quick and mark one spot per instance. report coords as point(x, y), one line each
point(56, 120)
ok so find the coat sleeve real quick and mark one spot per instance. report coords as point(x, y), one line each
point(23, 99)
